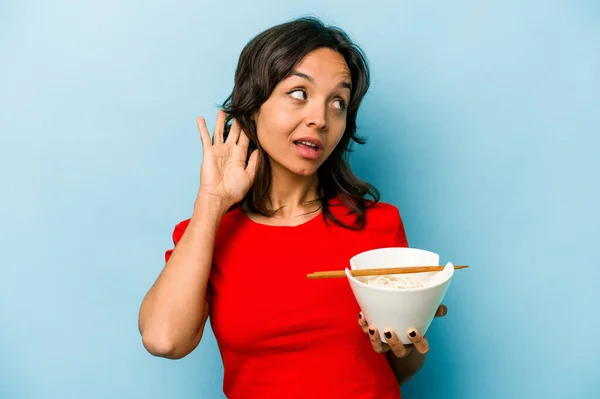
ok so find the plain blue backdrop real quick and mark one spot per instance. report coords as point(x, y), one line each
point(483, 121)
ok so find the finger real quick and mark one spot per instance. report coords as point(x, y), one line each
point(419, 342)
point(219, 127)
point(252, 164)
point(441, 311)
point(395, 345)
point(204, 135)
point(243, 141)
point(362, 322)
point(234, 132)
point(378, 346)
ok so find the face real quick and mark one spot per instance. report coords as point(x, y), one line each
point(304, 119)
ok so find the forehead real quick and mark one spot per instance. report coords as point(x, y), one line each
point(324, 61)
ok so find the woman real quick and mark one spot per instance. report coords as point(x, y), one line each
point(277, 200)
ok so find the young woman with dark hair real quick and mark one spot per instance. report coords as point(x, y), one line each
point(277, 200)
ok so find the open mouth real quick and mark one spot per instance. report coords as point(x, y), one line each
point(307, 144)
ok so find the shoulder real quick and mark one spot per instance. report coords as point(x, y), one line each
point(377, 215)
point(229, 219)
point(385, 219)
point(383, 215)
point(383, 225)
point(383, 209)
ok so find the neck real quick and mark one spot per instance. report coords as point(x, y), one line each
point(292, 195)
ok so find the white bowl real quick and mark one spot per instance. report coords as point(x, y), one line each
point(400, 309)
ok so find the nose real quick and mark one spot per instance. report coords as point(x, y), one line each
point(316, 116)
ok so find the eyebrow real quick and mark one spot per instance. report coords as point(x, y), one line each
point(342, 85)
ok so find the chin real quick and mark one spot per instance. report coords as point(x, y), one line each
point(304, 170)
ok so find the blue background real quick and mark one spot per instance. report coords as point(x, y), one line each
point(483, 122)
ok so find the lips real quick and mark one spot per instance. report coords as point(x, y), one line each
point(307, 144)
point(308, 147)
point(310, 142)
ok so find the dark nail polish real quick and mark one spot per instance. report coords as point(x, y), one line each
point(371, 331)
point(388, 335)
point(412, 334)
point(360, 315)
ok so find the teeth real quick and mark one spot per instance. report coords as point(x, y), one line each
point(308, 144)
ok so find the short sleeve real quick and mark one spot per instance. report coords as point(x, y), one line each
point(177, 234)
point(399, 238)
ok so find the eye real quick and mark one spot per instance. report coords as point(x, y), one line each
point(298, 94)
point(341, 104)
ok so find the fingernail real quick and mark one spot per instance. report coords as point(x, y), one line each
point(412, 334)
point(371, 331)
point(388, 335)
point(360, 315)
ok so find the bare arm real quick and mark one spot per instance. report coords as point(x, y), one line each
point(174, 311)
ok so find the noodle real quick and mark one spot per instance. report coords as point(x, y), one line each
point(393, 282)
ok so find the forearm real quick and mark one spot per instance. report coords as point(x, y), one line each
point(406, 367)
point(173, 312)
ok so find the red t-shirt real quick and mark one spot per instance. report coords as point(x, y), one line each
point(282, 335)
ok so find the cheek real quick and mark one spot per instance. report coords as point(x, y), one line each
point(274, 129)
point(335, 141)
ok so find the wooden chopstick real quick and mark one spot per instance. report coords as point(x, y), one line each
point(379, 272)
